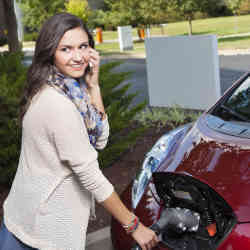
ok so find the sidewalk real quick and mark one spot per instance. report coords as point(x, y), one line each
point(99, 240)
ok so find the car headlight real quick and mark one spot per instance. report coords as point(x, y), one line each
point(162, 149)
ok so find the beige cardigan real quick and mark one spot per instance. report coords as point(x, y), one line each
point(49, 203)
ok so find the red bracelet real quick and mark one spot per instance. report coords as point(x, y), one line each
point(130, 228)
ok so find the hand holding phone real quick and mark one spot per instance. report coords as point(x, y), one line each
point(92, 72)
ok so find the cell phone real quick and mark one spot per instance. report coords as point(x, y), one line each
point(89, 68)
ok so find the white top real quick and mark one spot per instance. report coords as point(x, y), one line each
point(49, 202)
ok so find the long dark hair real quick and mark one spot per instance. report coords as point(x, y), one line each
point(49, 37)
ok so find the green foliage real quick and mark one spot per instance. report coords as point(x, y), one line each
point(188, 8)
point(135, 12)
point(118, 107)
point(245, 7)
point(117, 103)
point(78, 8)
point(3, 40)
point(145, 13)
point(122, 116)
point(12, 78)
point(173, 116)
point(28, 37)
point(98, 18)
point(36, 12)
point(234, 5)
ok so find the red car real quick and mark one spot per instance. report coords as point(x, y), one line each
point(194, 186)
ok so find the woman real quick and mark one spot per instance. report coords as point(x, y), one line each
point(63, 124)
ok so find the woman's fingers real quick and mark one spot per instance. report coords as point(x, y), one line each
point(94, 56)
point(145, 237)
point(94, 61)
point(92, 77)
point(153, 242)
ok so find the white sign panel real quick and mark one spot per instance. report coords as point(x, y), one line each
point(125, 37)
point(183, 70)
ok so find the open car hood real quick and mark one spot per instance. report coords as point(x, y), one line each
point(221, 161)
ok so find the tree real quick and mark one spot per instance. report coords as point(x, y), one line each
point(79, 8)
point(245, 7)
point(10, 24)
point(35, 12)
point(234, 5)
point(188, 8)
point(135, 12)
point(153, 12)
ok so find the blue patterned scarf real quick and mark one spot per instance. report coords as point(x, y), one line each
point(78, 94)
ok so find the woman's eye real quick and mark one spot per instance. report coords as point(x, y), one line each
point(65, 49)
point(84, 46)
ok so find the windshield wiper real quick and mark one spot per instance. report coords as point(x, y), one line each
point(233, 112)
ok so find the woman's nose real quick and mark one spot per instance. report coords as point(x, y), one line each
point(77, 56)
point(86, 55)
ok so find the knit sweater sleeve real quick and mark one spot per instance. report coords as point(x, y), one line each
point(71, 140)
point(103, 138)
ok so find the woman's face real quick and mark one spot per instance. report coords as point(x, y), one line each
point(72, 54)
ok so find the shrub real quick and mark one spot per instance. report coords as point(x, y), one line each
point(3, 40)
point(28, 37)
point(118, 107)
point(12, 78)
point(116, 101)
point(172, 116)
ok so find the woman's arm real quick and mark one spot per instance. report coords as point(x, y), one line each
point(144, 236)
point(92, 81)
point(96, 98)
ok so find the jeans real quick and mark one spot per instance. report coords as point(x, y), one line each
point(9, 242)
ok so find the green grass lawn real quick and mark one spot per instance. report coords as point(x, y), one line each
point(234, 42)
point(113, 48)
point(139, 48)
point(220, 26)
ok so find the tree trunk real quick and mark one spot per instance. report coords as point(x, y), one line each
point(190, 30)
point(11, 25)
point(148, 31)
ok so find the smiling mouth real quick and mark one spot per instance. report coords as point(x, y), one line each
point(77, 66)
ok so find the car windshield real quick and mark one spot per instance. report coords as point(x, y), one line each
point(237, 106)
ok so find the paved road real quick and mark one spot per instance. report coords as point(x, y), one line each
point(231, 68)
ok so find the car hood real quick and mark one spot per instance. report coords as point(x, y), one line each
point(219, 160)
